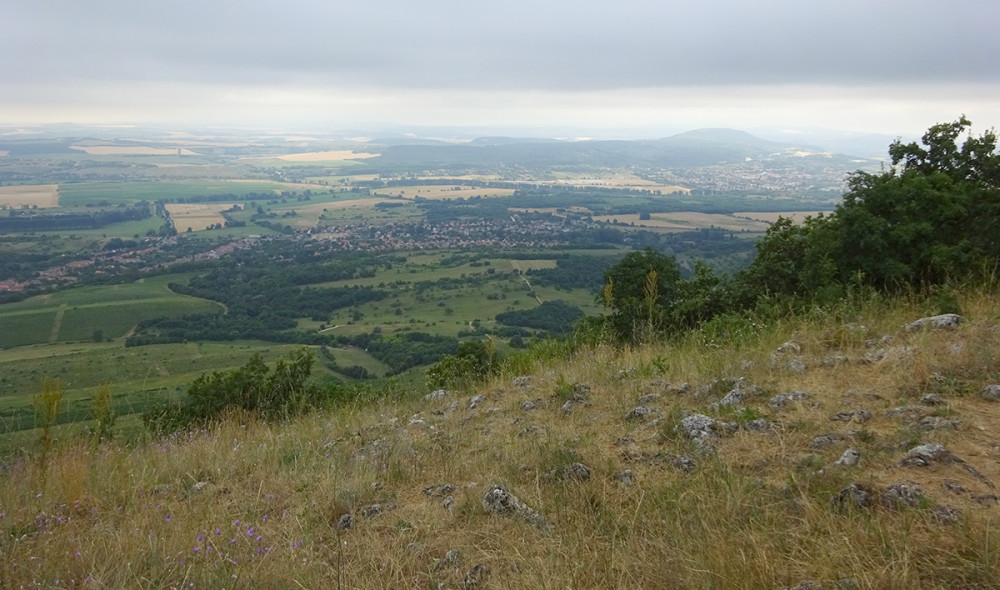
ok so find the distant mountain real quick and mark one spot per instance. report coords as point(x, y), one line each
point(701, 147)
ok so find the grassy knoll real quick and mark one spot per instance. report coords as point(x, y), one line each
point(252, 504)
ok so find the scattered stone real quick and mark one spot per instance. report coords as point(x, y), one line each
point(199, 486)
point(987, 499)
point(638, 413)
point(938, 322)
point(682, 388)
point(737, 396)
point(439, 490)
point(849, 458)
point(856, 495)
point(577, 471)
point(991, 393)
point(436, 396)
point(699, 428)
point(375, 509)
point(945, 514)
point(162, 489)
point(874, 356)
point(476, 401)
point(522, 382)
point(825, 440)
point(626, 477)
point(499, 500)
point(836, 360)
point(448, 410)
point(795, 366)
point(907, 413)
point(684, 463)
point(858, 415)
point(759, 425)
point(531, 429)
point(477, 576)
point(780, 400)
point(452, 558)
point(929, 423)
point(924, 455)
point(954, 487)
point(345, 522)
point(416, 420)
point(902, 495)
point(790, 347)
point(528, 405)
point(649, 398)
point(623, 441)
point(932, 400)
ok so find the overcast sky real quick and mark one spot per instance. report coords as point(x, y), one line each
point(877, 65)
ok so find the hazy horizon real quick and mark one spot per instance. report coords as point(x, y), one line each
point(880, 67)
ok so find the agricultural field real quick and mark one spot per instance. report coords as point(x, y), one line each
point(769, 217)
point(91, 193)
point(686, 221)
point(42, 196)
point(116, 150)
point(197, 216)
point(329, 156)
point(438, 192)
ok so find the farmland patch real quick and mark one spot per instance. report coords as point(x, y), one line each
point(44, 196)
point(197, 216)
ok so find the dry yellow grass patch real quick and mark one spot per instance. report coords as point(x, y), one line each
point(331, 156)
point(771, 217)
point(116, 150)
point(45, 196)
point(442, 192)
point(552, 210)
point(197, 216)
point(686, 221)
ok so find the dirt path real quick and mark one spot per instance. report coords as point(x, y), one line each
point(57, 324)
point(532, 290)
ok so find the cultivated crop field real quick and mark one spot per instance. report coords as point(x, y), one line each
point(196, 216)
point(771, 217)
point(117, 150)
point(330, 156)
point(442, 192)
point(686, 221)
point(84, 193)
point(43, 196)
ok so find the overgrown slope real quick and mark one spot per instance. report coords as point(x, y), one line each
point(610, 496)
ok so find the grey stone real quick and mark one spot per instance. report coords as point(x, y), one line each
point(795, 366)
point(162, 489)
point(825, 440)
point(944, 514)
point(932, 400)
point(685, 463)
point(439, 490)
point(906, 412)
point(436, 396)
point(499, 500)
point(938, 322)
point(835, 360)
point(790, 347)
point(577, 471)
point(528, 405)
point(991, 392)
point(345, 522)
point(929, 423)
point(476, 401)
point(856, 495)
point(626, 477)
point(987, 499)
point(759, 425)
point(637, 413)
point(375, 509)
point(923, 455)
point(199, 486)
point(452, 558)
point(522, 382)
point(699, 428)
point(857, 415)
point(649, 398)
point(849, 458)
point(954, 487)
point(532, 429)
point(477, 576)
point(782, 399)
point(451, 408)
point(901, 495)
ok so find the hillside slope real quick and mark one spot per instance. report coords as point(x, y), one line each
point(553, 477)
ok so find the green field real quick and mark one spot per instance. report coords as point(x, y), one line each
point(90, 193)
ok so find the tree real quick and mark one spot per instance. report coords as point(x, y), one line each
point(640, 293)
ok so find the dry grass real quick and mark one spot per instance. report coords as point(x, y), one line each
point(44, 196)
point(755, 513)
point(197, 216)
point(331, 156)
point(118, 150)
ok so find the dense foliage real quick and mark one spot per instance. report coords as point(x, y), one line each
point(552, 316)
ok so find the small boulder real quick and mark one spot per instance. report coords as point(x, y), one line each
point(528, 405)
point(436, 396)
point(375, 509)
point(849, 458)
point(856, 495)
point(790, 347)
point(944, 514)
point(439, 490)
point(477, 576)
point(924, 455)
point(825, 440)
point(476, 401)
point(684, 463)
point(857, 415)
point(758, 425)
point(795, 366)
point(901, 495)
point(699, 428)
point(649, 398)
point(782, 399)
point(991, 393)
point(638, 413)
point(452, 558)
point(932, 400)
point(626, 477)
point(345, 522)
point(577, 471)
point(938, 322)
point(499, 500)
